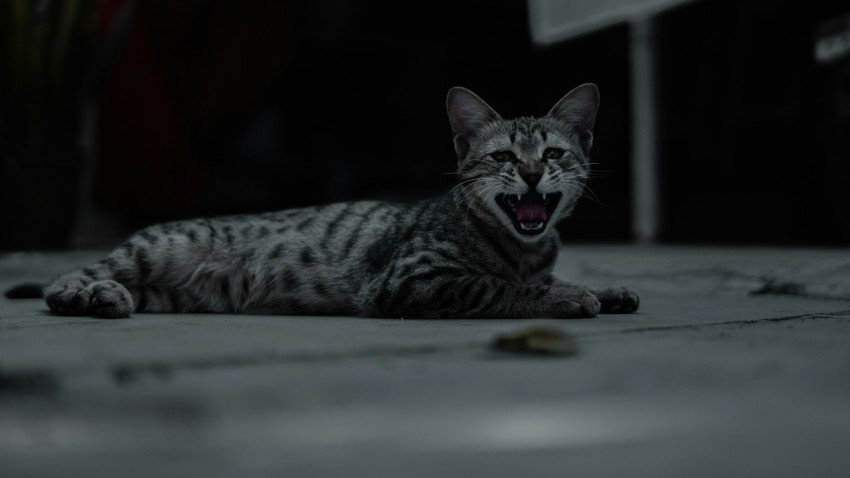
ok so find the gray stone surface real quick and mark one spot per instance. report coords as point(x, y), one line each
point(707, 379)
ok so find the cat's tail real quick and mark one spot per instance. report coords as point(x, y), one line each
point(27, 290)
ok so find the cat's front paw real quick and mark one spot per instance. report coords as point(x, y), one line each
point(573, 302)
point(617, 300)
point(110, 300)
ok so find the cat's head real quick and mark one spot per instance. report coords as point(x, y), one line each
point(525, 173)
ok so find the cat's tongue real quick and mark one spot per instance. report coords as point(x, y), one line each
point(530, 212)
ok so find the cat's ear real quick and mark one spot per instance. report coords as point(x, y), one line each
point(467, 114)
point(578, 109)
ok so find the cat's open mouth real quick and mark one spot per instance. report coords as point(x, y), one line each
point(529, 212)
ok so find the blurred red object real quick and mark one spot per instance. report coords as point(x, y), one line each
point(189, 74)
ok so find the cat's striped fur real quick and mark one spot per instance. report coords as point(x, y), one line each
point(485, 249)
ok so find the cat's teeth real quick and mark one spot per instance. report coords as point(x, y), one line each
point(544, 197)
point(532, 226)
point(518, 197)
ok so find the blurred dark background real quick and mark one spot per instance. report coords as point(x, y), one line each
point(117, 114)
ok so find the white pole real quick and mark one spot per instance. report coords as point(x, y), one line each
point(645, 202)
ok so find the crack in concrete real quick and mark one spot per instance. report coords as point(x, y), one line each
point(729, 279)
point(838, 315)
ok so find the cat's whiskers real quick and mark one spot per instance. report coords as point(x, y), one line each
point(582, 190)
point(482, 193)
point(469, 181)
point(591, 171)
point(489, 194)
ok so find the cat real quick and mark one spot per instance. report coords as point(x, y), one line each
point(484, 249)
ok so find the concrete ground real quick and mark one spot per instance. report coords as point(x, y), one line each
point(737, 364)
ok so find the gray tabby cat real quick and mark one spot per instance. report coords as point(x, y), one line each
point(485, 249)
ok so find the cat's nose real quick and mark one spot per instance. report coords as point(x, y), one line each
point(531, 179)
point(531, 173)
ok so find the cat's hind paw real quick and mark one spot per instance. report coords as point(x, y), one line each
point(617, 300)
point(68, 296)
point(110, 300)
point(75, 295)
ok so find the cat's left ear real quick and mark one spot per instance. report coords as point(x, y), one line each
point(467, 114)
point(578, 109)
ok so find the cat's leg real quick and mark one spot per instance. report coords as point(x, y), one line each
point(613, 300)
point(144, 274)
point(95, 291)
point(458, 296)
point(78, 294)
point(103, 289)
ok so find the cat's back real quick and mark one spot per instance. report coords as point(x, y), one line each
point(328, 232)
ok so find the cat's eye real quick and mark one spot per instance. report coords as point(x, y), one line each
point(553, 153)
point(503, 156)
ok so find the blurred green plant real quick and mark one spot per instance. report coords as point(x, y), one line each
point(44, 49)
point(45, 52)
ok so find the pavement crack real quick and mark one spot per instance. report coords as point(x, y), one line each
point(724, 278)
point(842, 314)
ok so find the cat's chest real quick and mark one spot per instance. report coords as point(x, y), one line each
point(534, 268)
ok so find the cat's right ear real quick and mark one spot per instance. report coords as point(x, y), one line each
point(467, 114)
point(578, 109)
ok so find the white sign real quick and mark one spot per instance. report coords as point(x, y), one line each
point(552, 21)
